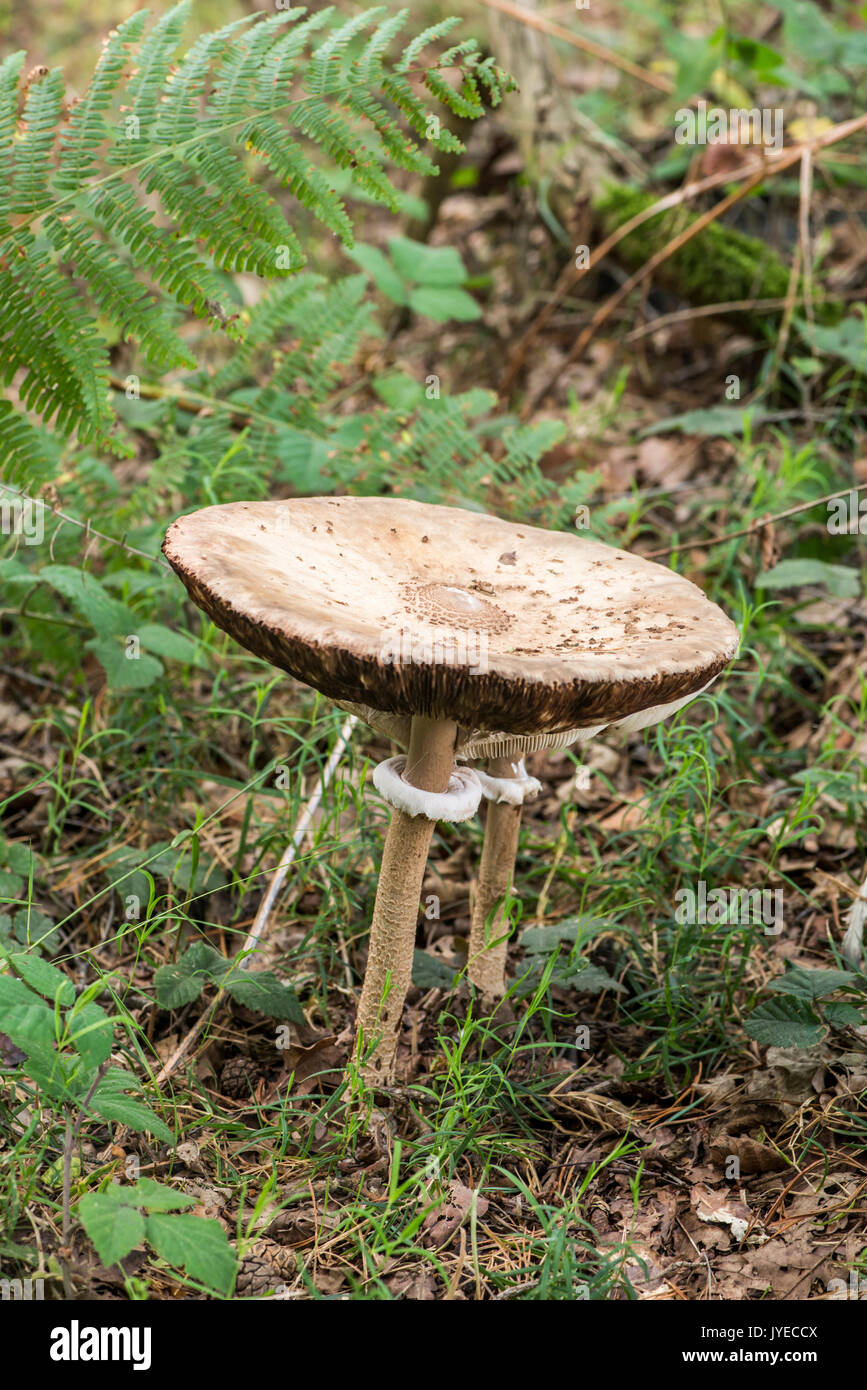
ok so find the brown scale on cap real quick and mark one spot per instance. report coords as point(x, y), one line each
point(575, 632)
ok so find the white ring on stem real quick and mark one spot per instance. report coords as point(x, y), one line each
point(460, 802)
point(514, 791)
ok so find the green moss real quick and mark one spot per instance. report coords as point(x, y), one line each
point(718, 264)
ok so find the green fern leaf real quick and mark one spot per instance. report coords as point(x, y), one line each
point(30, 191)
point(87, 127)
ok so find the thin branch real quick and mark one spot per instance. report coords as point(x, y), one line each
point(759, 524)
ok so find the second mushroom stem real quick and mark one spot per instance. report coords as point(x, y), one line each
point(487, 952)
point(429, 765)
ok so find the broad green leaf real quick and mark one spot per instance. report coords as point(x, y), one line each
point(787, 1022)
point(114, 1228)
point(438, 266)
point(155, 1196)
point(197, 1243)
point(91, 1033)
point(25, 1018)
point(123, 672)
point(444, 304)
point(430, 973)
point(19, 858)
point(88, 597)
point(263, 992)
point(792, 574)
point(176, 986)
point(109, 1101)
point(44, 978)
point(381, 272)
point(542, 940)
point(725, 420)
point(811, 984)
point(844, 1015)
point(165, 642)
point(399, 390)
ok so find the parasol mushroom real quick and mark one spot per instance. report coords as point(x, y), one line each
point(458, 635)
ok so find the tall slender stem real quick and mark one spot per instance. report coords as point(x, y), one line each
point(487, 962)
point(429, 765)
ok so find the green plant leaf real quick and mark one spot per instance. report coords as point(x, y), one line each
point(787, 1022)
point(542, 940)
point(444, 304)
point(155, 1196)
point(110, 1101)
point(44, 978)
point(114, 1228)
point(165, 642)
point(196, 1243)
point(26, 1019)
point(91, 1033)
point(123, 672)
point(381, 272)
point(266, 994)
point(811, 984)
point(792, 574)
point(437, 266)
point(430, 973)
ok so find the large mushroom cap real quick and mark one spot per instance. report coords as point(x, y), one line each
point(408, 608)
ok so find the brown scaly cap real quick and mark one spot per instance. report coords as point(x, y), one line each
point(419, 609)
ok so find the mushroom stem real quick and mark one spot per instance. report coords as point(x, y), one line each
point(487, 963)
point(429, 765)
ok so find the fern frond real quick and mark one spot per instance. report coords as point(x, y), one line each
point(422, 40)
point(418, 116)
point(27, 453)
point(293, 167)
point(461, 103)
point(325, 73)
point(172, 260)
point(180, 115)
point(368, 66)
point(280, 66)
point(81, 244)
point(10, 75)
point(30, 191)
point(48, 332)
point(120, 296)
point(86, 130)
point(152, 70)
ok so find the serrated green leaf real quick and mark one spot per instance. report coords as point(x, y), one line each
point(430, 973)
point(811, 984)
point(787, 1022)
point(165, 642)
point(110, 1102)
point(91, 1033)
point(263, 992)
point(124, 672)
point(105, 614)
point(114, 1228)
point(46, 979)
point(175, 985)
point(26, 1018)
point(542, 940)
point(196, 1243)
point(155, 1196)
point(844, 1015)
